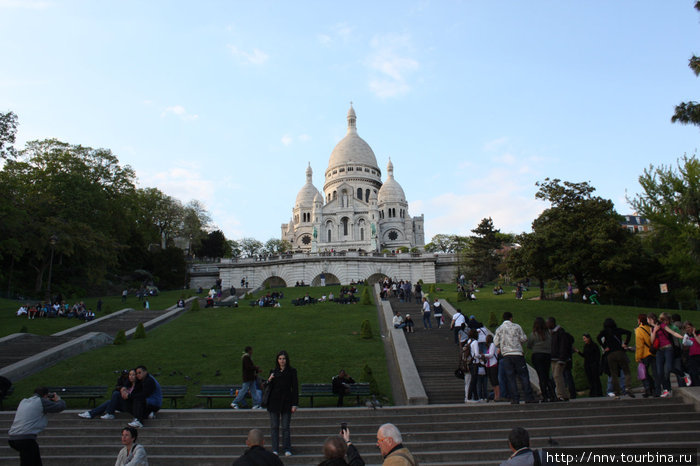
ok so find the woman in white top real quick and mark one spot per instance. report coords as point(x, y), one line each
point(132, 454)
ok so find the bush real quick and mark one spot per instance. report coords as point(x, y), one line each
point(365, 299)
point(23, 329)
point(140, 331)
point(366, 330)
point(431, 288)
point(120, 339)
point(368, 377)
point(195, 305)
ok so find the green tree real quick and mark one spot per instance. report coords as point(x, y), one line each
point(276, 246)
point(530, 259)
point(481, 259)
point(251, 247)
point(447, 243)
point(8, 131)
point(161, 213)
point(688, 113)
point(671, 202)
point(581, 236)
point(214, 245)
point(195, 222)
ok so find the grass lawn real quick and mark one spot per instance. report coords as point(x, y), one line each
point(10, 323)
point(577, 318)
point(205, 346)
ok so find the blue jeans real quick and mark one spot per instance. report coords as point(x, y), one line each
point(664, 364)
point(515, 368)
point(286, 417)
point(254, 393)
point(426, 320)
point(115, 403)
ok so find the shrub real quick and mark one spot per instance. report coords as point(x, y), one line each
point(195, 305)
point(23, 329)
point(365, 299)
point(120, 339)
point(368, 377)
point(493, 321)
point(140, 331)
point(431, 288)
point(366, 330)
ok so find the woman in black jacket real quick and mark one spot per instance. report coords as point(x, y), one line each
point(283, 401)
point(610, 339)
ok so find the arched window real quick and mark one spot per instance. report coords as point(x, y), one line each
point(359, 193)
point(345, 226)
point(335, 194)
point(329, 235)
point(362, 234)
point(367, 195)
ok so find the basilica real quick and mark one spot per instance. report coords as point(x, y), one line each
point(357, 211)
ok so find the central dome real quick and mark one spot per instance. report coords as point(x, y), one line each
point(352, 148)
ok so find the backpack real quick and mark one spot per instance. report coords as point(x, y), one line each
point(466, 357)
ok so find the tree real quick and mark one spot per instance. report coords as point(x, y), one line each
point(162, 213)
point(671, 202)
point(8, 130)
point(530, 259)
point(213, 246)
point(233, 249)
point(688, 113)
point(481, 259)
point(251, 247)
point(447, 243)
point(581, 236)
point(277, 246)
point(195, 222)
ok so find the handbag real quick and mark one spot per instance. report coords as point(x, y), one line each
point(267, 390)
point(641, 371)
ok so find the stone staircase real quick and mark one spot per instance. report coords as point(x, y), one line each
point(435, 354)
point(436, 434)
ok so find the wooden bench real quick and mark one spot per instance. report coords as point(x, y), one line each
point(174, 392)
point(7, 394)
point(312, 390)
point(226, 304)
point(218, 391)
point(91, 392)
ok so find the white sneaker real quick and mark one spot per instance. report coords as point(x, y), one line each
point(257, 407)
point(136, 423)
point(107, 416)
point(151, 415)
point(85, 415)
point(287, 453)
point(611, 394)
point(275, 453)
point(665, 394)
point(234, 405)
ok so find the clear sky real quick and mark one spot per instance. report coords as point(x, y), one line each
point(474, 101)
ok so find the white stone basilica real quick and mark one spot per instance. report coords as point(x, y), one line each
point(357, 211)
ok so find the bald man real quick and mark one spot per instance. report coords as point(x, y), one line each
point(256, 455)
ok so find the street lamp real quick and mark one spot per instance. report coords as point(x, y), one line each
point(52, 241)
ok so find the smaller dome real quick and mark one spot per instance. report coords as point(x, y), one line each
point(308, 192)
point(391, 190)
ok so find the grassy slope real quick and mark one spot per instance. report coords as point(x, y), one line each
point(320, 339)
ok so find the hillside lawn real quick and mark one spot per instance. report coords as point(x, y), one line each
point(204, 347)
point(320, 339)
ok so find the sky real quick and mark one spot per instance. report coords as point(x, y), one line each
point(227, 102)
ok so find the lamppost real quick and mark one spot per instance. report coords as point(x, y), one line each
point(52, 241)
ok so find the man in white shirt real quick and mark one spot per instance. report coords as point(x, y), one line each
point(457, 321)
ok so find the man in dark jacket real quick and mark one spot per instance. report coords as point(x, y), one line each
point(341, 385)
point(561, 356)
point(250, 372)
point(256, 455)
point(337, 448)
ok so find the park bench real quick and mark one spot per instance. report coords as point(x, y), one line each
point(7, 394)
point(312, 390)
point(91, 392)
point(226, 304)
point(218, 391)
point(174, 392)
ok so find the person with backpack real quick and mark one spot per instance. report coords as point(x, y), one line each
point(644, 354)
point(610, 339)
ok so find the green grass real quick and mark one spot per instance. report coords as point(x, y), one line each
point(320, 339)
point(577, 318)
point(10, 323)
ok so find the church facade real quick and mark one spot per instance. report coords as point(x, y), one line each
point(357, 211)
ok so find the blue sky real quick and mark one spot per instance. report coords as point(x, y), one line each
point(474, 101)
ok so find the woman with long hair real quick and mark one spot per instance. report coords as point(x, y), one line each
point(591, 364)
point(283, 401)
point(610, 339)
point(540, 342)
point(664, 355)
point(119, 399)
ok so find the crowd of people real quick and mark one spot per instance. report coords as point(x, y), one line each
point(58, 309)
point(665, 347)
point(401, 289)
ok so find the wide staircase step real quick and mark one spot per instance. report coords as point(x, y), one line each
point(436, 434)
point(435, 354)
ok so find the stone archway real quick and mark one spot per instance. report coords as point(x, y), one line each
point(376, 278)
point(274, 282)
point(330, 280)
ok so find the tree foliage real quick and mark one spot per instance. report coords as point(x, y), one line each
point(447, 243)
point(688, 113)
point(671, 202)
point(8, 131)
point(251, 247)
point(276, 246)
point(482, 259)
